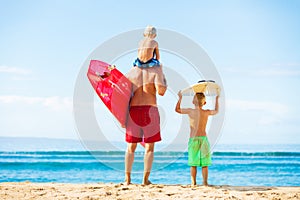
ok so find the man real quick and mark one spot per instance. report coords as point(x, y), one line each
point(143, 123)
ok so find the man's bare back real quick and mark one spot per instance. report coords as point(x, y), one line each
point(146, 82)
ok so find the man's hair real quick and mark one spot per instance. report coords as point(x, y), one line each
point(201, 98)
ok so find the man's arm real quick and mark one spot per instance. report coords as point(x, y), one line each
point(161, 89)
point(160, 81)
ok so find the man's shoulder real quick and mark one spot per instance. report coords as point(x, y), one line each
point(134, 71)
point(155, 69)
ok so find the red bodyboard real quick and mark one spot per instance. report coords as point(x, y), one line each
point(113, 88)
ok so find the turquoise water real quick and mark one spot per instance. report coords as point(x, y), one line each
point(247, 166)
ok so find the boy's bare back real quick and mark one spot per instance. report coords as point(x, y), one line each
point(198, 121)
point(198, 117)
point(148, 47)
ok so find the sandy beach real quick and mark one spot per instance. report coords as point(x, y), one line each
point(28, 190)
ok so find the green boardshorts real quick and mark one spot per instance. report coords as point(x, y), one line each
point(199, 152)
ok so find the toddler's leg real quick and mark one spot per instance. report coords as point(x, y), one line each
point(193, 175)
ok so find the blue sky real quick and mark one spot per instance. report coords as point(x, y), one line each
point(254, 45)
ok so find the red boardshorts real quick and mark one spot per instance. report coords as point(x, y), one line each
point(143, 122)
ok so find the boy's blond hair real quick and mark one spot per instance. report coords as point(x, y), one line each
point(150, 31)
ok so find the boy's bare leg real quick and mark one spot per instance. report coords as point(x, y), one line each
point(129, 158)
point(205, 175)
point(193, 175)
point(148, 160)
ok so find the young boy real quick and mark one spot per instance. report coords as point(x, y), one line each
point(148, 52)
point(198, 146)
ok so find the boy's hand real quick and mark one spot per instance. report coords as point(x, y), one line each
point(218, 91)
point(179, 94)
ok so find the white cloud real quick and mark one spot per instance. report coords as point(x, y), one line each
point(278, 72)
point(54, 103)
point(14, 70)
point(268, 120)
point(267, 113)
point(265, 106)
point(291, 64)
point(275, 70)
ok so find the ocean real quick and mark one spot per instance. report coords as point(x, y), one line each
point(44, 160)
